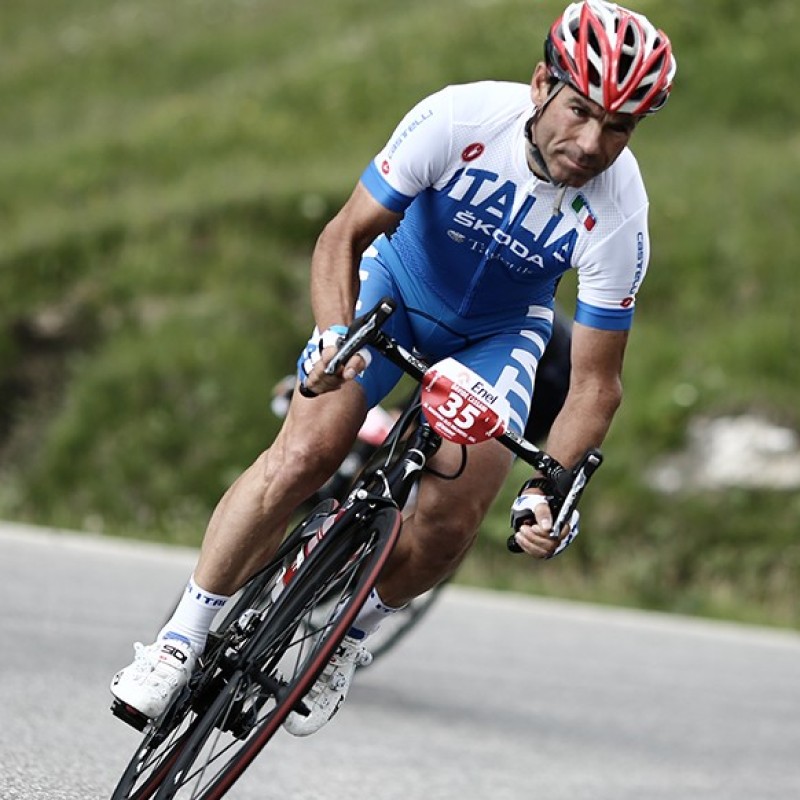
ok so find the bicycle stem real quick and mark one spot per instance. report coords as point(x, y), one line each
point(398, 480)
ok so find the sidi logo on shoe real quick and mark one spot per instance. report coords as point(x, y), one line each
point(175, 652)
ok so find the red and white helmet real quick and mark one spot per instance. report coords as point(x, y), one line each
point(611, 55)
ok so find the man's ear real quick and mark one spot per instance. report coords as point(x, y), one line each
point(540, 84)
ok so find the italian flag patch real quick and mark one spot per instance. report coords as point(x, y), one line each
point(583, 212)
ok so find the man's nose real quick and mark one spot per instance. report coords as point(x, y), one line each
point(590, 137)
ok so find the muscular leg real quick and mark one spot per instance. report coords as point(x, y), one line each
point(250, 520)
point(437, 537)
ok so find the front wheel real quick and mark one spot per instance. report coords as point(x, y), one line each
point(289, 648)
point(165, 738)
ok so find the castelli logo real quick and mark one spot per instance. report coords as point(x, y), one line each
point(627, 302)
point(472, 151)
point(385, 168)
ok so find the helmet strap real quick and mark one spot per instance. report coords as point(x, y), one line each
point(533, 149)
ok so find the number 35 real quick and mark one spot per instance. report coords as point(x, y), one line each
point(457, 409)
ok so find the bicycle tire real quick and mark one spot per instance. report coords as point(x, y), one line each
point(283, 657)
point(166, 737)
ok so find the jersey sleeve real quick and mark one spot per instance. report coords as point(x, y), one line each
point(416, 156)
point(611, 273)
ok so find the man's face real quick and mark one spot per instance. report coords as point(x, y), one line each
point(577, 138)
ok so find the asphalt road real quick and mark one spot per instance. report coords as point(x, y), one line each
point(494, 697)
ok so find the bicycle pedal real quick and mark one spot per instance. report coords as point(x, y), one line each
point(129, 715)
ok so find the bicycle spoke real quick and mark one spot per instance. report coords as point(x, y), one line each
point(153, 760)
point(203, 768)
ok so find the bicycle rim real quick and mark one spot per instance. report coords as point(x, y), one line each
point(283, 658)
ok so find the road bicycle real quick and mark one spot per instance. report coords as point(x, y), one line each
point(265, 653)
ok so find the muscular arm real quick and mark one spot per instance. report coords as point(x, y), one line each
point(334, 274)
point(334, 264)
point(595, 393)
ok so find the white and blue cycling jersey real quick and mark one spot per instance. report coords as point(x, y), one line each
point(483, 241)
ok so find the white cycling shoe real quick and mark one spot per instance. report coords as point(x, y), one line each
point(158, 672)
point(329, 691)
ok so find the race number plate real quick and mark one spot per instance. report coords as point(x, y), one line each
point(460, 406)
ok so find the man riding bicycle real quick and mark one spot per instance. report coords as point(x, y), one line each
point(482, 198)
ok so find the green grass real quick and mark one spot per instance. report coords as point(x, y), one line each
point(166, 167)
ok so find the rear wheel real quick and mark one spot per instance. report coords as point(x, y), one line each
point(396, 626)
point(288, 649)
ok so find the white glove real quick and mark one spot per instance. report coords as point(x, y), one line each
point(331, 337)
point(312, 354)
point(523, 509)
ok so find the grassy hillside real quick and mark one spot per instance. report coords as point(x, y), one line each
point(165, 168)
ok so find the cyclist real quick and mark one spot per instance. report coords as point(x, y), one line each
point(482, 198)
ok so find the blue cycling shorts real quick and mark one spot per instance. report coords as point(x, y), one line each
point(503, 348)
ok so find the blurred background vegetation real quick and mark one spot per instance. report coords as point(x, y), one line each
point(166, 167)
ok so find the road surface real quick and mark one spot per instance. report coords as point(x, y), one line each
point(495, 697)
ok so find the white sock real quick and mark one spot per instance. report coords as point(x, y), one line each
point(372, 614)
point(193, 617)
